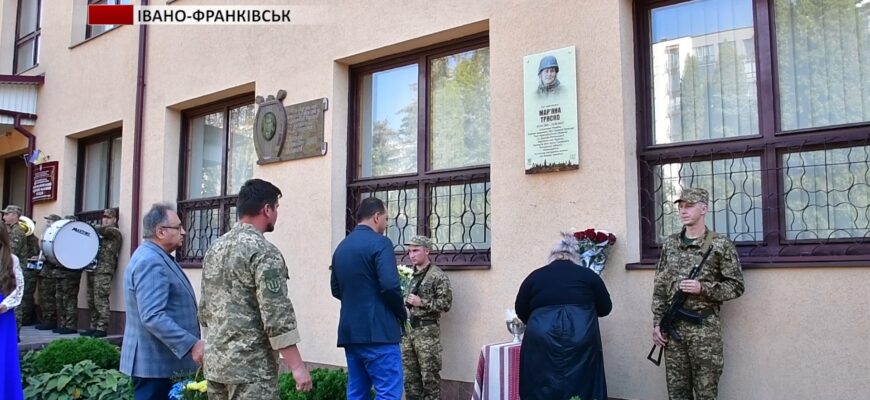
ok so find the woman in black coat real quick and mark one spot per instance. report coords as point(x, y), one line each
point(560, 304)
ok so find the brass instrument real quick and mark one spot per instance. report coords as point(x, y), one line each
point(27, 225)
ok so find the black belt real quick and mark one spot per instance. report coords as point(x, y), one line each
point(419, 323)
point(703, 313)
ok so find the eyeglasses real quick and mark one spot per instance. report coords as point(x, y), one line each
point(172, 227)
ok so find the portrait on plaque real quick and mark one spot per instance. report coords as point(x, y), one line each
point(550, 111)
point(270, 127)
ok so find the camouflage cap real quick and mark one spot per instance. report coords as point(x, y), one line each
point(72, 217)
point(420, 240)
point(111, 213)
point(53, 217)
point(13, 209)
point(694, 195)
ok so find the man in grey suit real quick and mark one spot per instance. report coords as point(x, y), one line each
point(161, 336)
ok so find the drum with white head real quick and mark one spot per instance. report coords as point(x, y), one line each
point(71, 244)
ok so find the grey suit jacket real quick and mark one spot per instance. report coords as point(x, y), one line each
point(161, 323)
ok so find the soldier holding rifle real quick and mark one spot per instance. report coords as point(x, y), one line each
point(694, 353)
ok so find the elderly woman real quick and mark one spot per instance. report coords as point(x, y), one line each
point(560, 304)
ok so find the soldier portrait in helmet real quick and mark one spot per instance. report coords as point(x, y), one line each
point(548, 71)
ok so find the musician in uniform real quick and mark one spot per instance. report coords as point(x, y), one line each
point(25, 314)
point(100, 277)
point(695, 363)
point(67, 297)
point(48, 278)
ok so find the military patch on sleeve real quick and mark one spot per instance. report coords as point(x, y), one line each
point(273, 281)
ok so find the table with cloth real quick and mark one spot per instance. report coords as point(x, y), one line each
point(498, 372)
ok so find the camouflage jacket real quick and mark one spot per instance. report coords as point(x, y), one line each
point(245, 307)
point(434, 292)
point(721, 276)
point(32, 246)
point(110, 248)
point(18, 242)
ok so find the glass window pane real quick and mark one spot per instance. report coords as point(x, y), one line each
point(96, 174)
point(388, 123)
point(205, 156)
point(459, 110)
point(823, 62)
point(24, 53)
point(115, 185)
point(827, 193)
point(402, 209)
point(703, 67)
point(460, 216)
point(735, 196)
point(242, 155)
point(28, 18)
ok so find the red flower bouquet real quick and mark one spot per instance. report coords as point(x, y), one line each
point(593, 247)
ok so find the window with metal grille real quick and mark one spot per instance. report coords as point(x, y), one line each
point(770, 113)
point(420, 140)
point(217, 158)
point(99, 170)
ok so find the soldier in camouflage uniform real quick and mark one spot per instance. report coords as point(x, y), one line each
point(100, 278)
point(48, 277)
point(247, 316)
point(695, 363)
point(68, 297)
point(430, 295)
point(25, 313)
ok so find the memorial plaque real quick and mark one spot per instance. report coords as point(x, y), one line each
point(550, 102)
point(304, 130)
point(44, 182)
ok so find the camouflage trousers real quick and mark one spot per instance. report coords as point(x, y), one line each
point(99, 289)
point(25, 313)
point(265, 390)
point(421, 361)
point(68, 301)
point(695, 363)
point(48, 299)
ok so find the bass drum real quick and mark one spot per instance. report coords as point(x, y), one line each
point(71, 244)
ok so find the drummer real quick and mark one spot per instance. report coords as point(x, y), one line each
point(67, 297)
point(48, 294)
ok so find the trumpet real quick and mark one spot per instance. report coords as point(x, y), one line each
point(27, 225)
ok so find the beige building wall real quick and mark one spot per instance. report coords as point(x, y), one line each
point(796, 334)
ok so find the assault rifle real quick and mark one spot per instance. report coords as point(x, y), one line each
point(675, 311)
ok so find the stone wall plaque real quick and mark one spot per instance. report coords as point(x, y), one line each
point(305, 130)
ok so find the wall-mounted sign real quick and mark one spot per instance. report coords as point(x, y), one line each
point(550, 102)
point(289, 133)
point(44, 182)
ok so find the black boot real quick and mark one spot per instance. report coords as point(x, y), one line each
point(45, 326)
point(97, 333)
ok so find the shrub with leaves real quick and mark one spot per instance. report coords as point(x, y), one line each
point(84, 380)
point(26, 363)
point(61, 353)
point(328, 384)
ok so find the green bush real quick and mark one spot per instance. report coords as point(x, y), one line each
point(26, 363)
point(329, 384)
point(84, 380)
point(60, 353)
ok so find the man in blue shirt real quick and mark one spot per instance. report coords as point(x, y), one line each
point(365, 280)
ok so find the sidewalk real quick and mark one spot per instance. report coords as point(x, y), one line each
point(33, 339)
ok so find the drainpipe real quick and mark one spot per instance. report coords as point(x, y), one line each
point(31, 146)
point(137, 137)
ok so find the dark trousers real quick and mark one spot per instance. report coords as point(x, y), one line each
point(151, 388)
